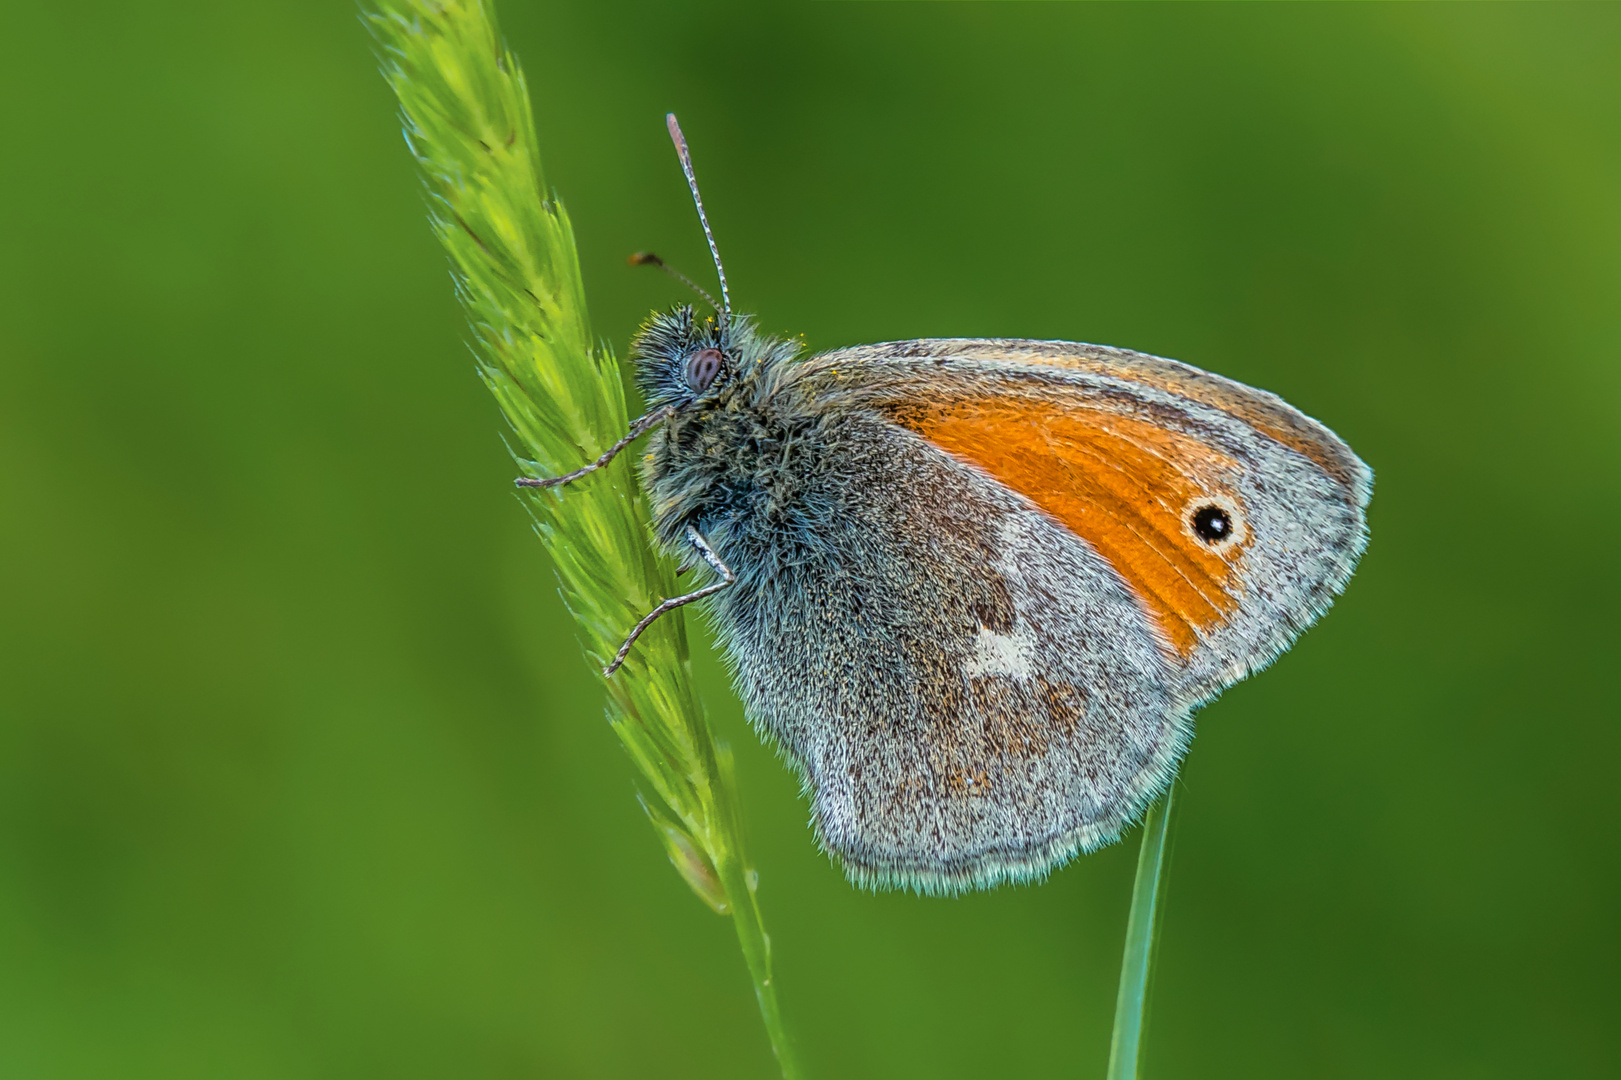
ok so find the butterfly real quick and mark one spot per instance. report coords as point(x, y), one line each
point(975, 589)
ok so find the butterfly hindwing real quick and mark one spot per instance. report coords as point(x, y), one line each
point(970, 692)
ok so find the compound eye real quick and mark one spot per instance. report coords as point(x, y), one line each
point(702, 367)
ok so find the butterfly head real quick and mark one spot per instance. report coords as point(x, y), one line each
point(686, 359)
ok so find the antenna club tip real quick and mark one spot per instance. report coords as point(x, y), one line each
point(698, 202)
point(644, 258)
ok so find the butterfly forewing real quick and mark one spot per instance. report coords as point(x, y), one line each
point(1232, 517)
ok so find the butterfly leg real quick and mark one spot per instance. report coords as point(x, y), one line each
point(640, 425)
point(709, 556)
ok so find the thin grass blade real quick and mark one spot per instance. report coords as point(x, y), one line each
point(1142, 935)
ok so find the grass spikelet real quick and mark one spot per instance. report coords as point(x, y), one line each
point(467, 121)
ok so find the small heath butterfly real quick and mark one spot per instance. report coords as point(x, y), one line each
point(975, 589)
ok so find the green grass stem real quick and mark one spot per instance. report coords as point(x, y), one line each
point(1142, 935)
point(467, 120)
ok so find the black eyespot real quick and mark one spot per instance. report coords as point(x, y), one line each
point(702, 367)
point(1212, 525)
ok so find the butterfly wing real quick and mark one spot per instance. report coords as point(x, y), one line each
point(1233, 518)
point(981, 621)
point(967, 690)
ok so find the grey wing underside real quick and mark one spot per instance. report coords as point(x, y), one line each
point(972, 693)
point(969, 691)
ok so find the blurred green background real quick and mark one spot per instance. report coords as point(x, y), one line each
point(301, 773)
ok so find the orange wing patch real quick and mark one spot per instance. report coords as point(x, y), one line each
point(1130, 489)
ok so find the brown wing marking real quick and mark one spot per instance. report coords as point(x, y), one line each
point(1122, 484)
point(1265, 412)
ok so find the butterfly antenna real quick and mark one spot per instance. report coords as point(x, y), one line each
point(698, 200)
point(647, 258)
